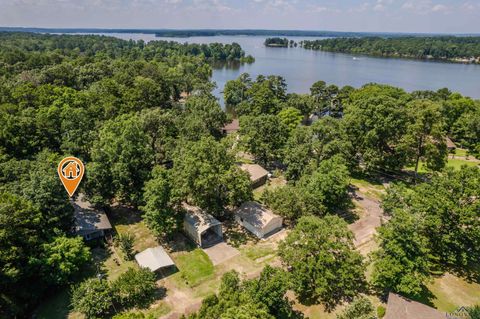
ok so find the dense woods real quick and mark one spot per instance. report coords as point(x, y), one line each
point(459, 49)
point(278, 42)
point(143, 119)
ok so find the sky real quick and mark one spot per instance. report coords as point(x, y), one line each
point(429, 16)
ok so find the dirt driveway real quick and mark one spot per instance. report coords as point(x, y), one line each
point(221, 252)
point(364, 228)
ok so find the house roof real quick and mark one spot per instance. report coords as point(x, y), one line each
point(154, 258)
point(399, 307)
point(255, 214)
point(88, 218)
point(450, 143)
point(199, 219)
point(233, 126)
point(256, 171)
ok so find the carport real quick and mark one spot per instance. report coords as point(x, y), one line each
point(204, 229)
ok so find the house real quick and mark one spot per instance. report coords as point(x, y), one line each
point(154, 259)
point(204, 229)
point(258, 219)
point(71, 170)
point(450, 145)
point(399, 307)
point(231, 127)
point(258, 175)
point(90, 223)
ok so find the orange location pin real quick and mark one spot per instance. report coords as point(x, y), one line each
point(70, 171)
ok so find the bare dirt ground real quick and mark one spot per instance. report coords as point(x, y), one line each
point(364, 228)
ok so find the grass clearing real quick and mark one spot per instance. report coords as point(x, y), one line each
point(455, 163)
point(257, 251)
point(452, 292)
point(272, 183)
point(194, 267)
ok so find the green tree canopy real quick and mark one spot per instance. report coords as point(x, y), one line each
point(324, 265)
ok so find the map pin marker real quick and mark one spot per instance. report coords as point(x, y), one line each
point(70, 171)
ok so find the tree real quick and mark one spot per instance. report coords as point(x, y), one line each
point(159, 213)
point(62, 258)
point(290, 117)
point(256, 298)
point(375, 121)
point(234, 91)
point(264, 136)
point(125, 242)
point(302, 102)
point(325, 190)
point(425, 138)
point(308, 146)
point(402, 263)
point(122, 161)
point(93, 298)
point(324, 264)
point(204, 174)
point(360, 308)
point(134, 288)
point(203, 116)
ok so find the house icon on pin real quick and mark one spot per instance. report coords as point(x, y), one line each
point(71, 170)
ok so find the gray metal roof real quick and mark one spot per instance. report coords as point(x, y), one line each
point(255, 214)
point(154, 258)
point(88, 218)
point(199, 219)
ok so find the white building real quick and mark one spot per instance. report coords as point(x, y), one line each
point(258, 219)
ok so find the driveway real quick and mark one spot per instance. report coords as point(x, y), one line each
point(364, 229)
point(221, 252)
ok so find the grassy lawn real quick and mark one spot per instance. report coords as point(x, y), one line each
point(272, 183)
point(257, 251)
point(455, 163)
point(452, 292)
point(370, 187)
point(194, 267)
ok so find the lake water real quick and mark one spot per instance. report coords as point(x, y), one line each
point(301, 68)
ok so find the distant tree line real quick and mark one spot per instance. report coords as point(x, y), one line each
point(461, 49)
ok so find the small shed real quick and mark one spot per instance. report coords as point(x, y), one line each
point(258, 175)
point(90, 222)
point(258, 219)
point(450, 144)
point(154, 259)
point(399, 307)
point(231, 127)
point(204, 229)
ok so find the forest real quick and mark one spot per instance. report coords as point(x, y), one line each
point(143, 119)
point(451, 48)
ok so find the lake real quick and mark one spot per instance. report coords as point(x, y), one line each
point(301, 68)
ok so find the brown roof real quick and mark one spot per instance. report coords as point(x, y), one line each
point(256, 171)
point(233, 126)
point(450, 143)
point(399, 307)
point(255, 214)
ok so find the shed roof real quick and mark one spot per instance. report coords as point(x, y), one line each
point(399, 307)
point(87, 217)
point(255, 214)
point(233, 126)
point(450, 143)
point(154, 258)
point(256, 171)
point(199, 219)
